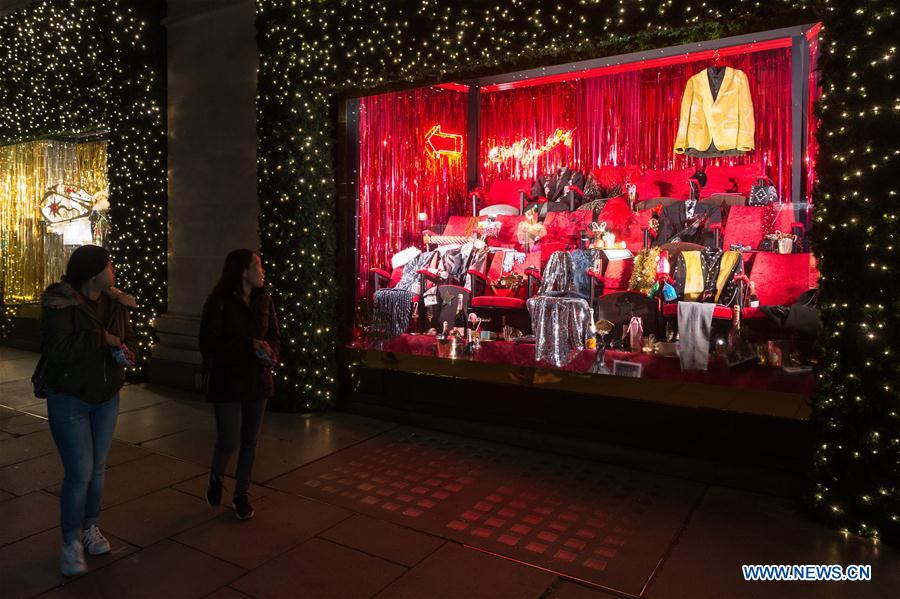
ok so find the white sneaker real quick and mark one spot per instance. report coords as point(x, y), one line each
point(94, 541)
point(71, 559)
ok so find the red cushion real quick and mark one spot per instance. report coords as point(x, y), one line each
point(731, 179)
point(496, 301)
point(781, 278)
point(532, 259)
point(457, 225)
point(509, 225)
point(723, 312)
point(565, 227)
point(617, 275)
point(505, 192)
point(664, 184)
point(745, 224)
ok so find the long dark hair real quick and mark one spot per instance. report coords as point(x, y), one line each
point(236, 262)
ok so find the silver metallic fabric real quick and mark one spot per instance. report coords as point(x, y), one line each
point(393, 308)
point(409, 281)
point(561, 325)
point(558, 274)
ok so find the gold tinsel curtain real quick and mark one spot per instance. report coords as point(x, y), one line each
point(31, 255)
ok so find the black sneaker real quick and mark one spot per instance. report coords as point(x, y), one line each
point(213, 491)
point(242, 508)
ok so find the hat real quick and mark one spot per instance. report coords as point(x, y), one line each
point(85, 263)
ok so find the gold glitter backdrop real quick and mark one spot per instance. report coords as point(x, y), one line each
point(31, 255)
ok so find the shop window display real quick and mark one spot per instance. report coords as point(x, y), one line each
point(54, 197)
point(648, 220)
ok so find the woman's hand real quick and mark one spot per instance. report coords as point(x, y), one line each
point(112, 340)
point(260, 346)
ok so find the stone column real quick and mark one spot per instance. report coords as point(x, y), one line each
point(213, 208)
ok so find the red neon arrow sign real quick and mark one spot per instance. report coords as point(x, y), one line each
point(440, 143)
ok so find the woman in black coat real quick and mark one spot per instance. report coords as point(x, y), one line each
point(240, 342)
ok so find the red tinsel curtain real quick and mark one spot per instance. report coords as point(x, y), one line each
point(631, 117)
point(812, 145)
point(528, 116)
point(400, 177)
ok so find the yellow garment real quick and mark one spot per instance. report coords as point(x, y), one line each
point(693, 276)
point(728, 120)
point(726, 267)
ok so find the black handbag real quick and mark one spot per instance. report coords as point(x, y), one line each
point(762, 193)
point(39, 379)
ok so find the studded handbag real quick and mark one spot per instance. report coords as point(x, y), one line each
point(762, 193)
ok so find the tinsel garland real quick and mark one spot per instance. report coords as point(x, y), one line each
point(644, 274)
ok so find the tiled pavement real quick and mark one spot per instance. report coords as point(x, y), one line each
point(353, 507)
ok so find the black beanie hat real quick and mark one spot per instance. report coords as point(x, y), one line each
point(85, 263)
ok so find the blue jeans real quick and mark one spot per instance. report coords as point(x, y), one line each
point(83, 433)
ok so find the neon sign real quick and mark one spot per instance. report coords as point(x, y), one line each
point(443, 144)
point(526, 152)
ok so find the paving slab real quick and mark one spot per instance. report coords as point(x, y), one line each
point(275, 457)
point(323, 570)
point(337, 429)
point(195, 446)
point(228, 593)
point(17, 393)
point(24, 424)
point(606, 525)
point(166, 569)
point(18, 368)
point(282, 521)
point(38, 408)
point(144, 475)
point(197, 487)
point(454, 571)
point(25, 447)
point(31, 566)
point(384, 539)
point(120, 452)
point(136, 397)
point(564, 589)
point(156, 516)
point(160, 420)
point(27, 515)
point(731, 528)
point(12, 353)
point(32, 474)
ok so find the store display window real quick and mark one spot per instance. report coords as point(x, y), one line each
point(54, 197)
point(639, 216)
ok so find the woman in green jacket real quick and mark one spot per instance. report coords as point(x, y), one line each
point(85, 332)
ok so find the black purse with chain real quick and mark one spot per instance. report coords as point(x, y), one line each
point(762, 193)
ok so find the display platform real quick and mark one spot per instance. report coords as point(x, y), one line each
point(753, 389)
